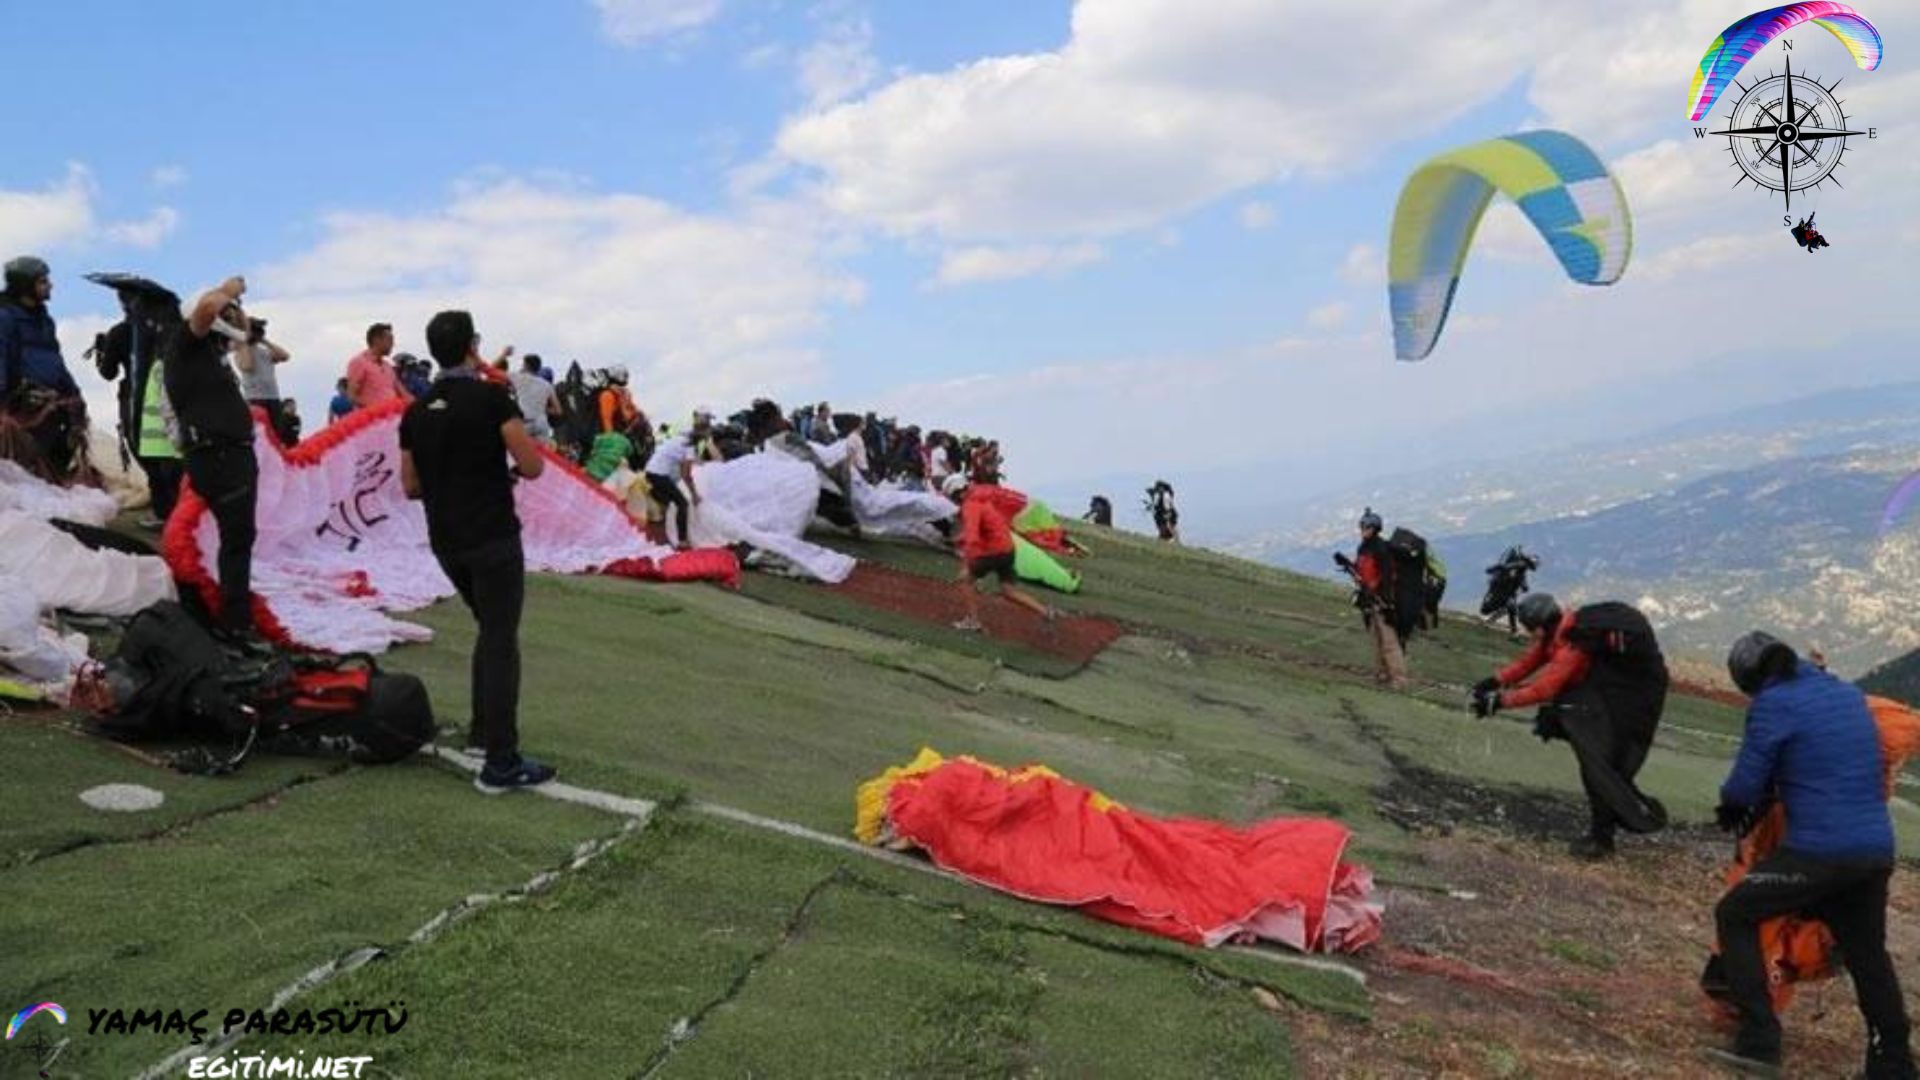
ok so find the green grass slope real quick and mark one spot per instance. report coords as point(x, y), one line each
point(697, 947)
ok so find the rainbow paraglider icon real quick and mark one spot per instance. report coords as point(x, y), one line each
point(21, 1017)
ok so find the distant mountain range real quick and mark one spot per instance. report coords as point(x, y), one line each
point(1764, 517)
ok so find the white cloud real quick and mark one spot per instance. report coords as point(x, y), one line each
point(167, 176)
point(1258, 214)
point(62, 215)
point(1329, 316)
point(697, 306)
point(1364, 265)
point(636, 22)
point(1711, 253)
point(964, 266)
point(53, 217)
point(1154, 107)
point(146, 233)
point(839, 65)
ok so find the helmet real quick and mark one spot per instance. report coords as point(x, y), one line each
point(702, 414)
point(953, 485)
point(617, 374)
point(1538, 611)
point(1371, 520)
point(1755, 658)
point(22, 272)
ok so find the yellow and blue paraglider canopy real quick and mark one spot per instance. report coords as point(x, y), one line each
point(1558, 182)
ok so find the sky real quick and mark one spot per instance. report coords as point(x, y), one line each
point(1130, 238)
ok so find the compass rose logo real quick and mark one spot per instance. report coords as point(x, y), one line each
point(1788, 133)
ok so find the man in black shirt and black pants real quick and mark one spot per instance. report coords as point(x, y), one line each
point(217, 428)
point(454, 447)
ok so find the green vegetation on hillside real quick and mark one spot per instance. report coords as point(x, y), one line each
point(699, 947)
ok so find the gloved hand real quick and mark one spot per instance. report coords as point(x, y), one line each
point(1486, 686)
point(1546, 725)
point(1734, 819)
point(1485, 705)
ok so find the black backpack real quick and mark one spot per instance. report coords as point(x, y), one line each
point(1616, 633)
point(170, 680)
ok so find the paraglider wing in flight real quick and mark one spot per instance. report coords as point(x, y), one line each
point(1740, 42)
point(1558, 182)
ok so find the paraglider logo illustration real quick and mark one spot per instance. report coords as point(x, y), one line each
point(1557, 181)
point(20, 1018)
point(1786, 132)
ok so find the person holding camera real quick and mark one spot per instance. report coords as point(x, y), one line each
point(216, 431)
point(1811, 744)
point(455, 445)
point(256, 359)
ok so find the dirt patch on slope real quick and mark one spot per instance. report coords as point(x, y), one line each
point(1076, 637)
point(1527, 962)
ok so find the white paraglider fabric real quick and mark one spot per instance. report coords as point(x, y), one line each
point(21, 490)
point(61, 572)
point(340, 545)
point(767, 501)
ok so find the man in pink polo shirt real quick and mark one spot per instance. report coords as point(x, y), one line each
point(371, 380)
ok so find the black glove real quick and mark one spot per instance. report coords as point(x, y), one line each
point(1486, 686)
point(1546, 725)
point(1340, 560)
point(1734, 819)
point(1485, 704)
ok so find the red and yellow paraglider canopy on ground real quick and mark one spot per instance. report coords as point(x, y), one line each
point(1039, 836)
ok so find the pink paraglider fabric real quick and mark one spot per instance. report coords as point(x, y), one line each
point(340, 546)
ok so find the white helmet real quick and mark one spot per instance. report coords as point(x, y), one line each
point(953, 485)
point(617, 374)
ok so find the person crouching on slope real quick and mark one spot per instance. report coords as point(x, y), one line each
point(1812, 744)
point(1601, 680)
point(454, 448)
point(985, 547)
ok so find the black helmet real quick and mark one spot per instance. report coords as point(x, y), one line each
point(23, 271)
point(1371, 520)
point(1757, 657)
point(1538, 611)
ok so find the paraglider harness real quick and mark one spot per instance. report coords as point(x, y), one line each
point(1807, 236)
point(171, 680)
point(1506, 582)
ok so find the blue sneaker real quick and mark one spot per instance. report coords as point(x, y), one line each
point(523, 773)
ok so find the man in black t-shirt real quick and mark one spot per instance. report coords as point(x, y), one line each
point(454, 448)
point(217, 429)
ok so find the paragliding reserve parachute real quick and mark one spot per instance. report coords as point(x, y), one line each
point(1740, 42)
point(1557, 181)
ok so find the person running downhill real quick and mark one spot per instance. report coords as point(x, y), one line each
point(985, 548)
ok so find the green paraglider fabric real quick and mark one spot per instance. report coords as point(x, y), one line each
point(1032, 564)
point(607, 453)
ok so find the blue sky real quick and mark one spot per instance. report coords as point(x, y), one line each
point(1130, 237)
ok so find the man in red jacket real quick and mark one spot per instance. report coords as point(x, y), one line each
point(1599, 676)
point(985, 546)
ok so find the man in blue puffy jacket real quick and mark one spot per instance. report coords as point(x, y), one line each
point(1812, 745)
point(43, 418)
